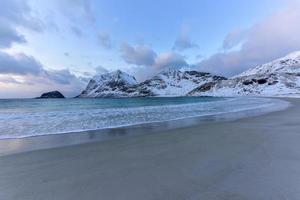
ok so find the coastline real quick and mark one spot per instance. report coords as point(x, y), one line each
point(46, 141)
point(249, 158)
point(53, 117)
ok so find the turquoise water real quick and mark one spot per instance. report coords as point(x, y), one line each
point(31, 117)
point(40, 105)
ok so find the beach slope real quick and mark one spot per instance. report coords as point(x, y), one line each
point(252, 158)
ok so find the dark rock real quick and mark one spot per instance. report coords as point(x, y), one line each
point(51, 95)
point(248, 82)
point(219, 78)
point(262, 81)
point(196, 73)
point(204, 88)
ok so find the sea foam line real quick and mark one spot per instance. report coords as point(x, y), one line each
point(271, 106)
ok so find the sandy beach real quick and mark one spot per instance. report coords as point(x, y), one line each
point(245, 159)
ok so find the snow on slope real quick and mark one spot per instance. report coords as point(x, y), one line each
point(173, 82)
point(278, 78)
point(287, 64)
point(112, 84)
point(169, 82)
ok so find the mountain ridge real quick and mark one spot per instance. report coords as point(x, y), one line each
point(170, 82)
point(280, 77)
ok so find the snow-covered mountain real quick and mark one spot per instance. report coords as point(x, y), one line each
point(173, 82)
point(277, 78)
point(112, 84)
point(287, 64)
point(169, 82)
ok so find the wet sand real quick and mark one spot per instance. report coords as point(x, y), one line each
point(251, 158)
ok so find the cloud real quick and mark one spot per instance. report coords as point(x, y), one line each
point(148, 63)
point(8, 36)
point(199, 56)
point(138, 55)
point(271, 38)
point(77, 9)
point(143, 55)
point(162, 61)
point(100, 70)
point(77, 31)
point(105, 40)
point(234, 38)
point(170, 59)
point(14, 14)
point(141, 73)
point(19, 64)
point(23, 65)
point(8, 80)
point(63, 76)
point(35, 76)
point(86, 8)
point(19, 13)
point(183, 42)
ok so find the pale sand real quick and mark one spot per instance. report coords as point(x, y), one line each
point(254, 158)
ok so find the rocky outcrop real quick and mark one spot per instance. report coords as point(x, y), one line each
point(51, 95)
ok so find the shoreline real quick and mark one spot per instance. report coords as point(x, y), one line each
point(36, 122)
point(250, 158)
point(46, 141)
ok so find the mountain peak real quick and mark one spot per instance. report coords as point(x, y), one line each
point(109, 84)
point(116, 76)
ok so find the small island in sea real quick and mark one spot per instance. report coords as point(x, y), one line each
point(52, 95)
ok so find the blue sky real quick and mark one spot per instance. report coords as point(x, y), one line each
point(60, 44)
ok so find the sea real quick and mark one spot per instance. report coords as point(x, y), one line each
point(21, 118)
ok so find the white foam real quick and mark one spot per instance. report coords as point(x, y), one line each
point(19, 125)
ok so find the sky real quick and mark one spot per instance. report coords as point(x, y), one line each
point(60, 44)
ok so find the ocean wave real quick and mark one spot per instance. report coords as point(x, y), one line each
point(19, 125)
